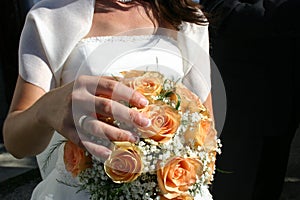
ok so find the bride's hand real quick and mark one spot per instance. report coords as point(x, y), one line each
point(73, 108)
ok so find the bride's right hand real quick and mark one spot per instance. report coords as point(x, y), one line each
point(71, 111)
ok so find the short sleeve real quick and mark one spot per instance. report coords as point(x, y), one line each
point(52, 29)
point(193, 40)
point(34, 66)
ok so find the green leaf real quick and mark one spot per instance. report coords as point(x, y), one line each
point(52, 149)
point(223, 171)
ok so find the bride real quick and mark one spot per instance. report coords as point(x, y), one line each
point(68, 51)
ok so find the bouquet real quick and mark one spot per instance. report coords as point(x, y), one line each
point(174, 158)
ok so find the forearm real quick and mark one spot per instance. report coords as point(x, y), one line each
point(24, 134)
point(35, 114)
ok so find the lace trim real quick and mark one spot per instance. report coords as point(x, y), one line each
point(123, 38)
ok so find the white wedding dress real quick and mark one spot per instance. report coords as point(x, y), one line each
point(107, 55)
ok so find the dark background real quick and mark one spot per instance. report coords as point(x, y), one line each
point(12, 18)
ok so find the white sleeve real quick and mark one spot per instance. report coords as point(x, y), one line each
point(34, 66)
point(52, 29)
point(194, 43)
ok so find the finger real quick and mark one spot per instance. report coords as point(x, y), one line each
point(95, 85)
point(109, 87)
point(109, 108)
point(105, 131)
point(99, 151)
point(120, 92)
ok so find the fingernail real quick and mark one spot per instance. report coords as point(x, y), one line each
point(143, 101)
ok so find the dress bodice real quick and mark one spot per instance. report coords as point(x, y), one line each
point(107, 55)
point(110, 55)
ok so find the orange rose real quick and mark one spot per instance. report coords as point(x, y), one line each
point(75, 159)
point(132, 73)
point(175, 178)
point(196, 135)
point(181, 197)
point(150, 84)
point(164, 122)
point(189, 100)
point(204, 135)
point(124, 164)
point(147, 83)
point(210, 142)
point(130, 76)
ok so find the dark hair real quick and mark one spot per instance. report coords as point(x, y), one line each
point(173, 12)
point(177, 11)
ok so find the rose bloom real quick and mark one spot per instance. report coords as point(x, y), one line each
point(181, 197)
point(147, 83)
point(197, 135)
point(175, 178)
point(75, 159)
point(124, 164)
point(189, 100)
point(210, 142)
point(150, 84)
point(165, 121)
point(203, 135)
point(132, 74)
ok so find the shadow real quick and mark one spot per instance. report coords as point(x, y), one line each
point(20, 187)
point(12, 18)
point(11, 166)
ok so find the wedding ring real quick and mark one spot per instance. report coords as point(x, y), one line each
point(81, 120)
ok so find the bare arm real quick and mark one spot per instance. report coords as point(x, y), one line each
point(23, 133)
point(34, 115)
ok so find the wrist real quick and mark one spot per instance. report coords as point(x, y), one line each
point(41, 115)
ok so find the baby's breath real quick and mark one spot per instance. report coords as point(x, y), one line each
point(153, 156)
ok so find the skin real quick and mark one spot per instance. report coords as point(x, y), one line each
point(35, 114)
